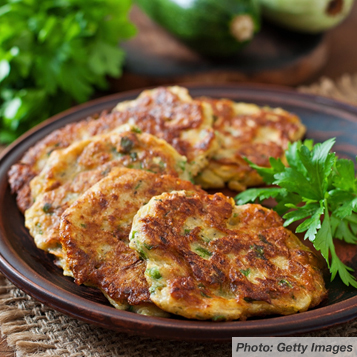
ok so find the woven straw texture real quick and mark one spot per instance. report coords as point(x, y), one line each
point(34, 330)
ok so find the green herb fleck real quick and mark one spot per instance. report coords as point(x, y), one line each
point(136, 130)
point(259, 250)
point(38, 225)
point(162, 165)
point(47, 207)
point(182, 165)
point(205, 239)
point(83, 225)
point(191, 178)
point(153, 273)
point(203, 253)
point(263, 239)
point(245, 272)
point(219, 318)
point(106, 171)
point(187, 231)
point(147, 246)
point(133, 234)
point(205, 295)
point(284, 282)
point(116, 152)
point(133, 156)
point(142, 254)
point(126, 144)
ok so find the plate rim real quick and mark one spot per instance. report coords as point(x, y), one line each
point(322, 317)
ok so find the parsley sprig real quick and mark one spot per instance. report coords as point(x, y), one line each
point(317, 186)
point(55, 53)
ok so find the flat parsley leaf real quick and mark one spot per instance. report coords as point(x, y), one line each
point(300, 212)
point(260, 194)
point(267, 173)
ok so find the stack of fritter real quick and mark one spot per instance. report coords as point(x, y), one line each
point(189, 253)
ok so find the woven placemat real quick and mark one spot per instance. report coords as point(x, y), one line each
point(35, 330)
point(344, 89)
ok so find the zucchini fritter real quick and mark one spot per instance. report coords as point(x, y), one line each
point(168, 113)
point(209, 259)
point(71, 171)
point(171, 114)
point(246, 130)
point(95, 235)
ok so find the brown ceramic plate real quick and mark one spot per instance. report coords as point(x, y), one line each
point(32, 270)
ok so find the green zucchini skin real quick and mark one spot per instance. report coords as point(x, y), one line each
point(204, 25)
point(306, 15)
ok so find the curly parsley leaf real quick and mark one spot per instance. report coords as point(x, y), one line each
point(318, 188)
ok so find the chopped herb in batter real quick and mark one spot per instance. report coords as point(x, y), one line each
point(38, 225)
point(284, 282)
point(126, 144)
point(259, 251)
point(203, 253)
point(205, 295)
point(148, 246)
point(162, 164)
point(47, 207)
point(133, 234)
point(153, 273)
point(106, 171)
point(219, 318)
point(182, 165)
point(245, 272)
point(263, 239)
point(133, 156)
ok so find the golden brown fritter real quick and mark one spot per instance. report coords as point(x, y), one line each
point(168, 113)
point(171, 114)
point(71, 171)
point(209, 259)
point(95, 234)
point(246, 130)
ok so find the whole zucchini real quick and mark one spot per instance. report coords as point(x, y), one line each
point(212, 27)
point(306, 15)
